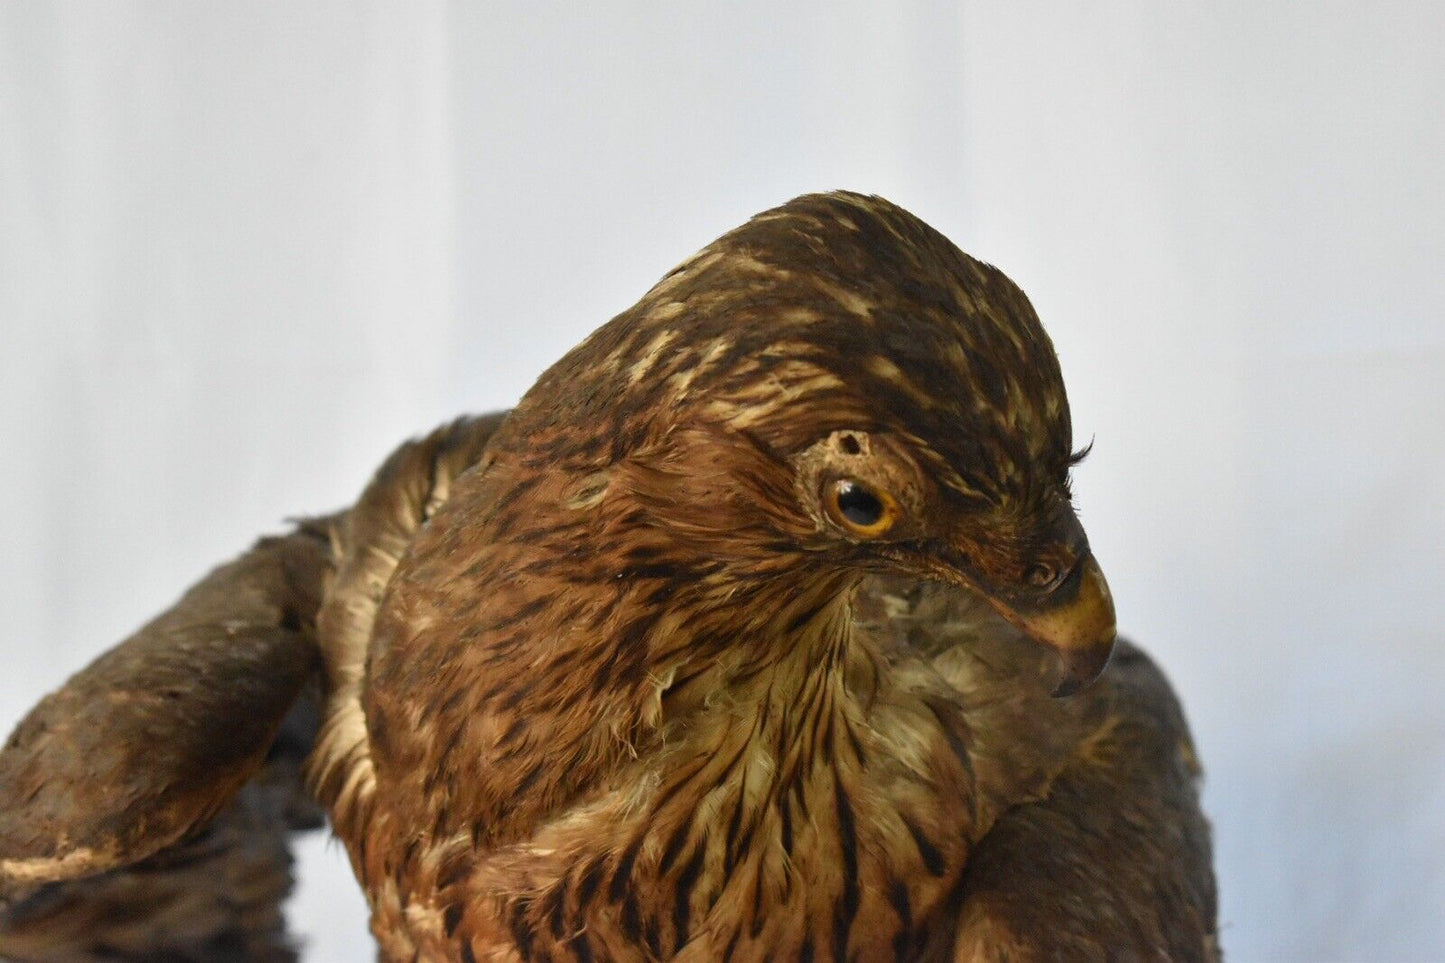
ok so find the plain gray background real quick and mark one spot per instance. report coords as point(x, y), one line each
point(245, 250)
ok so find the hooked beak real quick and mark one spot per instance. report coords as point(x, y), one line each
point(1076, 620)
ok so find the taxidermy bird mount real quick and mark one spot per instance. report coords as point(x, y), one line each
point(762, 628)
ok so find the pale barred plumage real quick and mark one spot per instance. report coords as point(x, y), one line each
point(608, 683)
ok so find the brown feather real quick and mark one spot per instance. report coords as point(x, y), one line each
point(85, 783)
point(145, 806)
point(623, 698)
point(607, 678)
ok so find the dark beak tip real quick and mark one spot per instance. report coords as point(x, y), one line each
point(1067, 686)
point(1082, 667)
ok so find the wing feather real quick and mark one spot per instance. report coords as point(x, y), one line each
point(1095, 847)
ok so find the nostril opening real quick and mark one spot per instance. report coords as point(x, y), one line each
point(850, 445)
point(1041, 575)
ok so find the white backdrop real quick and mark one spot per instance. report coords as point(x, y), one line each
point(244, 251)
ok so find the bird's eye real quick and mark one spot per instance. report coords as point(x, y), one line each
point(859, 508)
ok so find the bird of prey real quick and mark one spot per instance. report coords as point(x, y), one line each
point(763, 628)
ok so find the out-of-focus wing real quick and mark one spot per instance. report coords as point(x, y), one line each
point(1114, 863)
point(145, 806)
point(157, 735)
point(214, 897)
point(124, 825)
point(1095, 848)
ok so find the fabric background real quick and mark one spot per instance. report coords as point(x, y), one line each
point(245, 250)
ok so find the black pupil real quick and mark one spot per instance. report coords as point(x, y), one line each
point(859, 505)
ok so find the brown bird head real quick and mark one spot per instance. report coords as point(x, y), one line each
point(831, 389)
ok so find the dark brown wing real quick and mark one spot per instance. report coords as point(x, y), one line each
point(1096, 847)
point(156, 736)
point(1114, 863)
point(145, 806)
point(214, 897)
point(125, 830)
